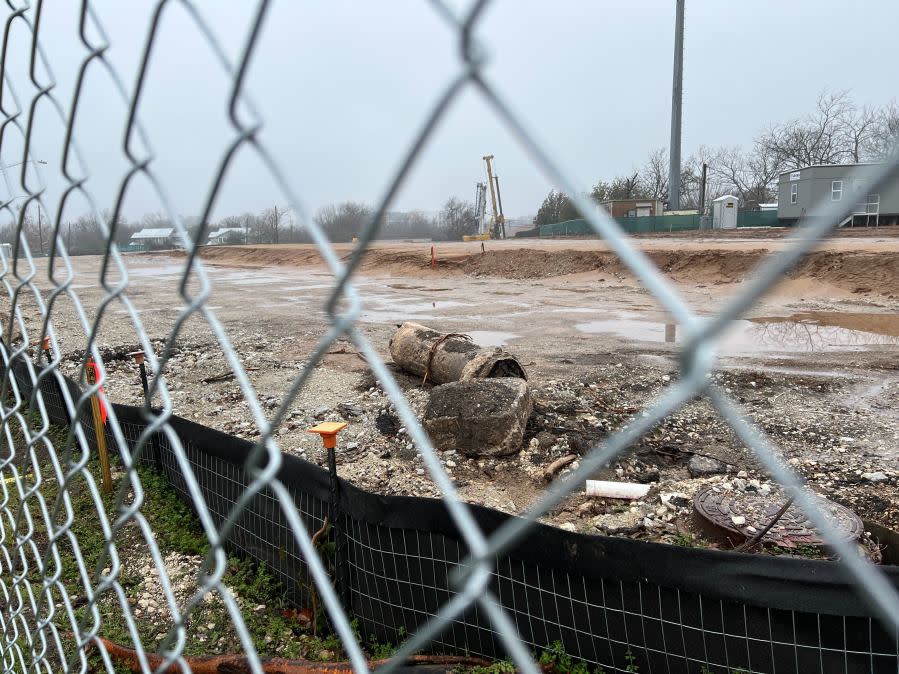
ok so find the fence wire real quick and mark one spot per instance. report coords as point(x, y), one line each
point(46, 627)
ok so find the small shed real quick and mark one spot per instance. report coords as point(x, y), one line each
point(724, 212)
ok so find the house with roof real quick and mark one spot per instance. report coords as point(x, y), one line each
point(154, 238)
point(226, 235)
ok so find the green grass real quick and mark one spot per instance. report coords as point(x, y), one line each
point(555, 659)
point(274, 627)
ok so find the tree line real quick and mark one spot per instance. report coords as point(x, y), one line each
point(837, 131)
point(86, 235)
point(348, 219)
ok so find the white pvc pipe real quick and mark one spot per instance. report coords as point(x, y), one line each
point(628, 490)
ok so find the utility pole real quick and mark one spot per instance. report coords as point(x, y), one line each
point(276, 223)
point(677, 95)
point(40, 232)
point(701, 209)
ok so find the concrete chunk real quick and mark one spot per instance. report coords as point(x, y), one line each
point(479, 417)
point(701, 466)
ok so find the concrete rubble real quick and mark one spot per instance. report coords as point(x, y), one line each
point(483, 403)
point(479, 417)
point(440, 358)
point(574, 409)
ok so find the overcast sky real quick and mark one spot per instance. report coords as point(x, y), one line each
point(344, 86)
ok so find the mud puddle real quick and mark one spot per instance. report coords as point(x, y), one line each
point(804, 332)
point(878, 324)
point(406, 286)
point(491, 337)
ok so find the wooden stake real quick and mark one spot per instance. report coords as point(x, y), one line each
point(106, 474)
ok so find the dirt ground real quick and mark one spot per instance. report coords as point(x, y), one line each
point(814, 364)
point(856, 261)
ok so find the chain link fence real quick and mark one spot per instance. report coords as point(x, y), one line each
point(55, 595)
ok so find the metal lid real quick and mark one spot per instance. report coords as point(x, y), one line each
point(720, 508)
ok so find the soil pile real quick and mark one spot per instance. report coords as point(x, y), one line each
point(862, 271)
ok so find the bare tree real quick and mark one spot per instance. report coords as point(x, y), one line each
point(272, 220)
point(750, 176)
point(419, 225)
point(884, 137)
point(691, 179)
point(343, 221)
point(156, 221)
point(26, 221)
point(408, 225)
point(859, 125)
point(86, 236)
point(654, 175)
point(837, 131)
point(251, 227)
point(458, 218)
point(819, 138)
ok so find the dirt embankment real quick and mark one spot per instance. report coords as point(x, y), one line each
point(863, 270)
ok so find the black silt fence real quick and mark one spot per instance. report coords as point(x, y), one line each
point(620, 604)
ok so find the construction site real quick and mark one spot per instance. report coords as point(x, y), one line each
point(276, 399)
point(814, 364)
point(498, 368)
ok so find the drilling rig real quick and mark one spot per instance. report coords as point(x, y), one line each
point(497, 228)
point(498, 231)
point(480, 208)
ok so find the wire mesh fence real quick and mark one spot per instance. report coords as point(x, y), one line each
point(463, 589)
point(630, 607)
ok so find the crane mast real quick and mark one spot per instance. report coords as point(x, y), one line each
point(499, 221)
point(480, 208)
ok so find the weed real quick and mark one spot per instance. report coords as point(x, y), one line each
point(631, 662)
point(379, 651)
point(802, 550)
point(174, 524)
point(259, 594)
point(556, 659)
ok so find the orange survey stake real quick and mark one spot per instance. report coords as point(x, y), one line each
point(328, 431)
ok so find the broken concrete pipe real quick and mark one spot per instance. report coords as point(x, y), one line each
point(479, 417)
point(441, 358)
